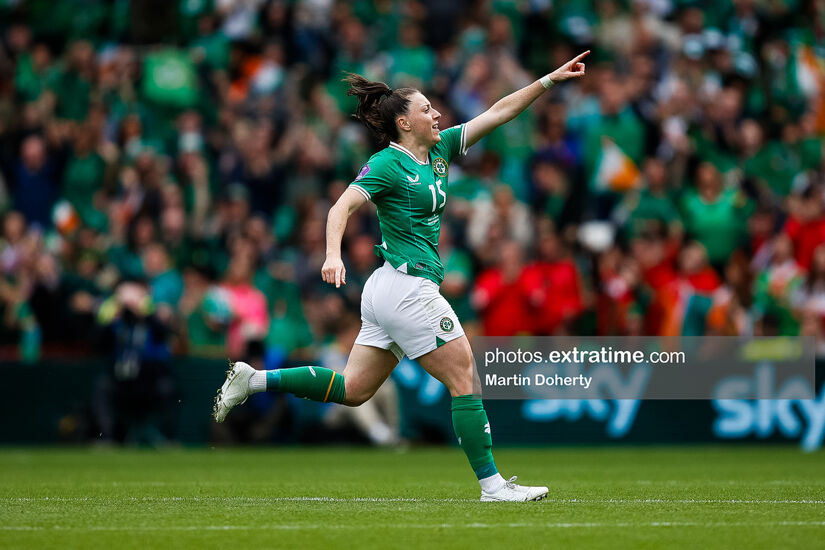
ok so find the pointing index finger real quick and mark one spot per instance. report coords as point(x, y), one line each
point(580, 56)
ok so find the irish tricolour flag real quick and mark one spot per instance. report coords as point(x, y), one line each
point(809, 71)
point(65, 217)
point(615, 171)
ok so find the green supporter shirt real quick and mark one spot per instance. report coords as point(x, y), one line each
point(411, 197)
point(410, 65)
point(776, 301)
point(720, 226)
point(28, 81)
point(73, 92)
point(167, 287)
point(81, 180)
point(650, 206)
point(776, 164)
point(204, 339)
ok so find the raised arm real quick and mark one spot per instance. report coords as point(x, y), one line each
point(333, 271)
point(508, 107)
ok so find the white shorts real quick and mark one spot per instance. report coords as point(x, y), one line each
point(405, 314)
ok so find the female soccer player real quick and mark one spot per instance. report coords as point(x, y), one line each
point(402, 311)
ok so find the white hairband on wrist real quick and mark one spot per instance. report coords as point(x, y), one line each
point(546, 81)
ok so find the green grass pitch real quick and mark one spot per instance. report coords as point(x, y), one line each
point(604, 497)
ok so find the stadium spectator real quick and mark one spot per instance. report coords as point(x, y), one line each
point(501, 209)
point(621, 297)
point(165, 282)
point(728, 313)
point(135, 400)
point(502, 296)
point(35, 178)
point(555, 287)
point(806, 223)
point(206, 311)
point(250, 318)
point(776, 285)
point(715, 217)
point(808, 298)
point(651, 206)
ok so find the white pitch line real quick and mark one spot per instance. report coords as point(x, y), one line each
point(231, 499)
point(379, 500)
point(326, 526)
point(682, 501)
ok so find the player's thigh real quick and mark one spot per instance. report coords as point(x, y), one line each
point(453, 365)
point(367, 368)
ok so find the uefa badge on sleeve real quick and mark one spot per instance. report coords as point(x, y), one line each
point(364, 171)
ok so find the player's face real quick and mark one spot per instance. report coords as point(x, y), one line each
point(422, 120)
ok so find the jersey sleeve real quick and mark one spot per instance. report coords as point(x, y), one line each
point(372, 180)
point(453, 142)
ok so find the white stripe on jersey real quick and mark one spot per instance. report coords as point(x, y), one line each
point(397, 147)
point(361, 190)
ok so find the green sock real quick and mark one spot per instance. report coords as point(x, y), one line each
point(473, 431)
point(315, 383)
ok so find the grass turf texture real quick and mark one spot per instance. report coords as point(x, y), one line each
point(646, 497)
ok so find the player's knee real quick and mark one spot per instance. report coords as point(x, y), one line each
point(355, 396)
point(355, 400)
point(464, 383)
point(466, 362)
point(463, 375)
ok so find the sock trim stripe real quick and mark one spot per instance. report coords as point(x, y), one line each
point(331, 380)
point(488, 470)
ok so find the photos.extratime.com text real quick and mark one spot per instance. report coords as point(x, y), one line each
point(707, 367)
point(575, 355)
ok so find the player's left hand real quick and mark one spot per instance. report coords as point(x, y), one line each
point(571, 69)
point(334, 272)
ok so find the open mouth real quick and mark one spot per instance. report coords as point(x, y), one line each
point(435, 126)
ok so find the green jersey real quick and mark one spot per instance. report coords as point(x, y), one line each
point(411, 196)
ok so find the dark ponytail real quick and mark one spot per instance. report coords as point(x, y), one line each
point(379, 106)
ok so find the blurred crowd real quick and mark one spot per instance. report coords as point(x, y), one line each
point(166, 168)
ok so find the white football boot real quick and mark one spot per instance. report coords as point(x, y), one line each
point(234, 391)
point(510, 492)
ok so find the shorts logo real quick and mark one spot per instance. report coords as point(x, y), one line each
point(364, 171)
point(440, 166)
point(446, 324)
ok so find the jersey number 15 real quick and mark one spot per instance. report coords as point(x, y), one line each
point(440, 192)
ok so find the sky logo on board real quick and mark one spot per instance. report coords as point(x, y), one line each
point(782, 415)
